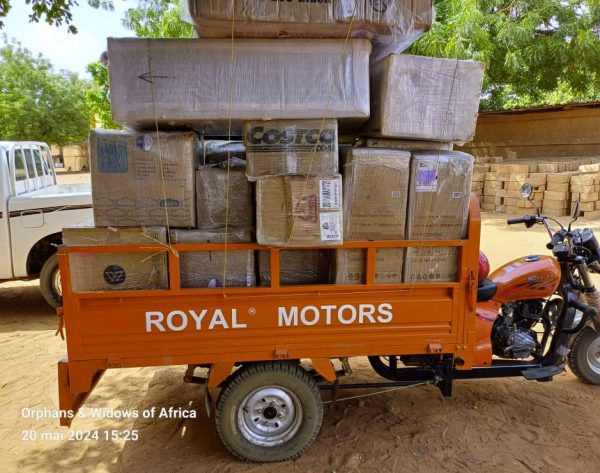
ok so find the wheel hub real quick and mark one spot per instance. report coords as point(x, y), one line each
point(269, 416)
point(593, 355)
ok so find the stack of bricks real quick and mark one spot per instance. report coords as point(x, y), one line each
point(557, 197)
point(585, 187)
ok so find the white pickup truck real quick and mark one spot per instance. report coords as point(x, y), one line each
point(33, 211)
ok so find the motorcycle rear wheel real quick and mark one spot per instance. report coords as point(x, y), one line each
point(584, 357)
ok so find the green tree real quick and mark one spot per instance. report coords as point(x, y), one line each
point(535, 51)
point(157, 19)
point(38, 104)
point(97, 97)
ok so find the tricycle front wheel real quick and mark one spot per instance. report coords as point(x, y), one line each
point(584, 357)
point(269, 412)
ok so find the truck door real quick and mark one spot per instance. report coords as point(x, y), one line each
point(6, 270)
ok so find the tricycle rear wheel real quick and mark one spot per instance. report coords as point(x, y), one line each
point(269, 412)
point(584, 357)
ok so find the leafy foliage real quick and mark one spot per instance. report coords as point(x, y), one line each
point(38, 104)
point(535, 51)
point(97, 97)
point(157, 19)
point(54, 12)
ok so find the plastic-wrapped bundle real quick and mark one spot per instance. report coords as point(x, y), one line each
point(299, 211)
point(440, 187)
point(431, 264)
point(425, 98)
point(211, 203)
point(296, 267)
point(350, 266)
point(291, 147)
point(129, 186)
point(192, 83)
point(393, 25)
point(207, 268)
point(116, 271)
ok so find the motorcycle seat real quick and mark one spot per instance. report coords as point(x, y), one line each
point(486, 290)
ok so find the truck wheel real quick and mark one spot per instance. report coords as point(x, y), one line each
point(50, 285)
point(584, 357)
point(269, 412)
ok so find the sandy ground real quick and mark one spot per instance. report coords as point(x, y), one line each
point(489, 425)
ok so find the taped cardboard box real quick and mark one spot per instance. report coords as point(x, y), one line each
point(408, 145)
point(438, 202)
point(299, 211)
point(195, 84)
point(285, 147)
point(116, 271)
point(215, 187)
point(143, 179)
point(376, 194)
point(431, 264)
point(296, 267)
point(425, 98)
point(350, 266)
point(392, 25)
point(211, 268)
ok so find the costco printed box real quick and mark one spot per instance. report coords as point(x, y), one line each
point(393, 25)
point(425, 98)
point(299, 211)
point(116, 271)
point(286, 147)
point(194, 83)
point(213, 268)
point(143, 179)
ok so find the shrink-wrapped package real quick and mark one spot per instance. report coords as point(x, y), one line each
point(178, 82)
point(212, 195)
point(392, 25)
point(299, 211)
point(143, 179)
point(211, 268)
point(291, 147)
point(116, 271)
point(440, 186)
point(350, 267)
point(296, 267)
point(425, 98)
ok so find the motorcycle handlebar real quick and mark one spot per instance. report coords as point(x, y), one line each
point(515, 221)
point(556, 239)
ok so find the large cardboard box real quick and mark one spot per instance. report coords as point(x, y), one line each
point(375, 194)
point(116, 271)
point(431, 264)
point(395, 24)
point(299, 211)
point(214, 188)
point(350, 266)
point(143, 179)
point(291, 147)
point(215, 268)
point(296, 267)
point(425, 98)
point(194, 83)
point(440, 188)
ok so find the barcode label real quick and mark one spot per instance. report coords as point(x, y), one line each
point(330, 227)
point(457, 195)
point(426, 177)
point(329, 195)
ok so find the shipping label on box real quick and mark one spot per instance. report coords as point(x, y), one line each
point(299, 211)
point(376, 194)
point(223, 196)
point(116, 271)
point(143, 179)
point(291, 147)
point(439, 195)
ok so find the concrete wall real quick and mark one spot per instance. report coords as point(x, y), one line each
point(570, 131)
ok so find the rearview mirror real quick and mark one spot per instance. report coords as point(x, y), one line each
point(576, 210)
point(526, 190)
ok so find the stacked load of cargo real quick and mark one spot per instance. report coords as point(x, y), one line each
point(295, 77)
point(557, 185)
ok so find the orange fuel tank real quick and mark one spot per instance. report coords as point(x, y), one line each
point(530, 277)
